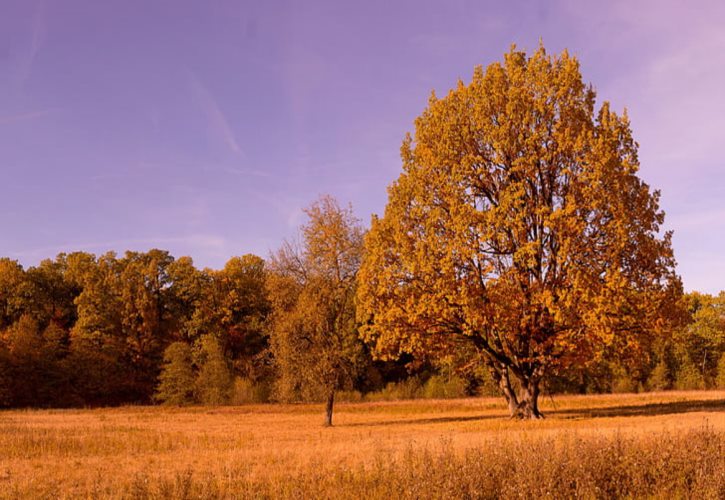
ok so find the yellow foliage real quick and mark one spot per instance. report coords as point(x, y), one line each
point(519, 224)
point(311, 286)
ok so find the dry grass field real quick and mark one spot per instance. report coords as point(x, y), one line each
point(643, 445)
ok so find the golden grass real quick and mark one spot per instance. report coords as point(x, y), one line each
point(656, 444)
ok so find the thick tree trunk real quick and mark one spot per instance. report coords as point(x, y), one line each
point(528, 407)
point(328, 408)
point(525, 404)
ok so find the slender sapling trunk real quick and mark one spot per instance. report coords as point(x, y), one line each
point(328, 408)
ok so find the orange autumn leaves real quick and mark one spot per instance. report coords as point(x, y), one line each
point(311, 285)
point(518, 224)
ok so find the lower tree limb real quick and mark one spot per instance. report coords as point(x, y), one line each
point(500, 374)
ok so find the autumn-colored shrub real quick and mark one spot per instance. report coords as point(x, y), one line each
point(622, 382)
point(409, 388)
point(246, 391)
point(350, 396)
point(688, 376)
point(444, 386)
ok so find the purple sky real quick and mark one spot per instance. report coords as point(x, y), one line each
point(203, 127)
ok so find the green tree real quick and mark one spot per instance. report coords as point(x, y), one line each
point(313, 330)
point(176, 381)
point(214, 380)
point(688, 376)
point(701, 342)
point(660, 378)
point(519, 224)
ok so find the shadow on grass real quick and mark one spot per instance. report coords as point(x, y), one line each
point(642, 410)
point(429, 420)
point(650, 409)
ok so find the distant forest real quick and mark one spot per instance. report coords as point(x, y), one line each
point(81, 330)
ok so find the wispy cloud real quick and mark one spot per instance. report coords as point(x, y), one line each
point(36, 42)
point(27, 115)
point(217, 120)
point(244, 172)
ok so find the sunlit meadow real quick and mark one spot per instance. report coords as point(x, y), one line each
point(658, 444)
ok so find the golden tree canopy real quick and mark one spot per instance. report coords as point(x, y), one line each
point(519, 223)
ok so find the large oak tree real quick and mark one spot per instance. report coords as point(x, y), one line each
point(519, 225)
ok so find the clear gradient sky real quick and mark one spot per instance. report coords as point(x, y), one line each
point(203, 127)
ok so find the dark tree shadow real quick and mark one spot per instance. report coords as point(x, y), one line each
point(430, 420)
point(578, 413)
point(642, 410)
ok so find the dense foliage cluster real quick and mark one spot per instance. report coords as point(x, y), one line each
point(81, 330)
point(86, 330)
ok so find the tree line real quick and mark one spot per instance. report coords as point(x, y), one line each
point(519, 252)
point(81, 330)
